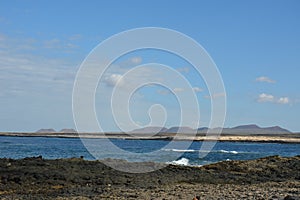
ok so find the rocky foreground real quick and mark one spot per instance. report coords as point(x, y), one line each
point(36, 178)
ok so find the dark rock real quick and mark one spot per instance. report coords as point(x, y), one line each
point(76, 176)
point(288, 197)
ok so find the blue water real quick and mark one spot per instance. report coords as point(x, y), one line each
point(52, 148)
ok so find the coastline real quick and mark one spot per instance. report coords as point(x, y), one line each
point(264, 138)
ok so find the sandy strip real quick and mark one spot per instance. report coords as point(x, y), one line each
point(222, 138)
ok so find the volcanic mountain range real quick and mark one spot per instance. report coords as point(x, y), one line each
point(242, 129)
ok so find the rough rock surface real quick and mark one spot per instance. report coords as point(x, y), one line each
point(36, 178)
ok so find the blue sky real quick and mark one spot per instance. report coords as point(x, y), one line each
point(255, 44)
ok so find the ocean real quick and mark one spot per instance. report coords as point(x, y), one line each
point(140, 150)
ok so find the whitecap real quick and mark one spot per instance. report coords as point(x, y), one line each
point(181, 150)
point(224, 151)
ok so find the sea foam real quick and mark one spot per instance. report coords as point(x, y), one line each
point(193, 150)
point(181, 150)
point(224, 151)
point(182, 161)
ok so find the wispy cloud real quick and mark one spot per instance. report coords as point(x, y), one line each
point(183, 69)
point(177, 90)
point(197, 89)
point(136, 59)
point(58, 44)
point(268, 98)
point(52, 44)
point(31, 45)
point(215, 95)
point(17, 44)
point(131, 62)
point(265, 79)
point(24, 73)
point(4, 20)
point(2, 37)
point(163, 92)
point(75, 37)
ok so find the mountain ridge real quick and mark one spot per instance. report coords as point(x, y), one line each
point(241, 129)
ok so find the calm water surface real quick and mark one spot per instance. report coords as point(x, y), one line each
point(52, 148)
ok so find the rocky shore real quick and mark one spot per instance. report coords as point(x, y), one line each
point(36, 178)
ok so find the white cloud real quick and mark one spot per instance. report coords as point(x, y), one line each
point(264, 98)
point(136, 60)
point(283, 100)
point(197, 89)
point(113, 80)
point(265, 79)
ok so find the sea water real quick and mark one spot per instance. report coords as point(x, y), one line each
point(140, 150)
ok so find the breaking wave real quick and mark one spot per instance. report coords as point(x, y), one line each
point(193, 150)
point(224, 151)
point(181, 150)
point(182, 161)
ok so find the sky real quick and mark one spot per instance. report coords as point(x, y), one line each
point(255, 45)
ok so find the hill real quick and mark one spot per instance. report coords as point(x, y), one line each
point(254, 129)
point(150, 129)
point(68, 130)
point(46, 130)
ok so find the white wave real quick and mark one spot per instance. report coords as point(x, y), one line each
point(224, 151)
point(182, 161)
point(201, 151)
point(181, 150)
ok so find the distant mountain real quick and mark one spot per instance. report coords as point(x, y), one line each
point(250, 129)
point(243, 127)
point(182, 129)
point(254, 129)
point(68, 130)
point(277, 129)
point(46, 130)
point(203, 129)
point(150, 129)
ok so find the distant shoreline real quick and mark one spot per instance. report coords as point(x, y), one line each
point(275, 138)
